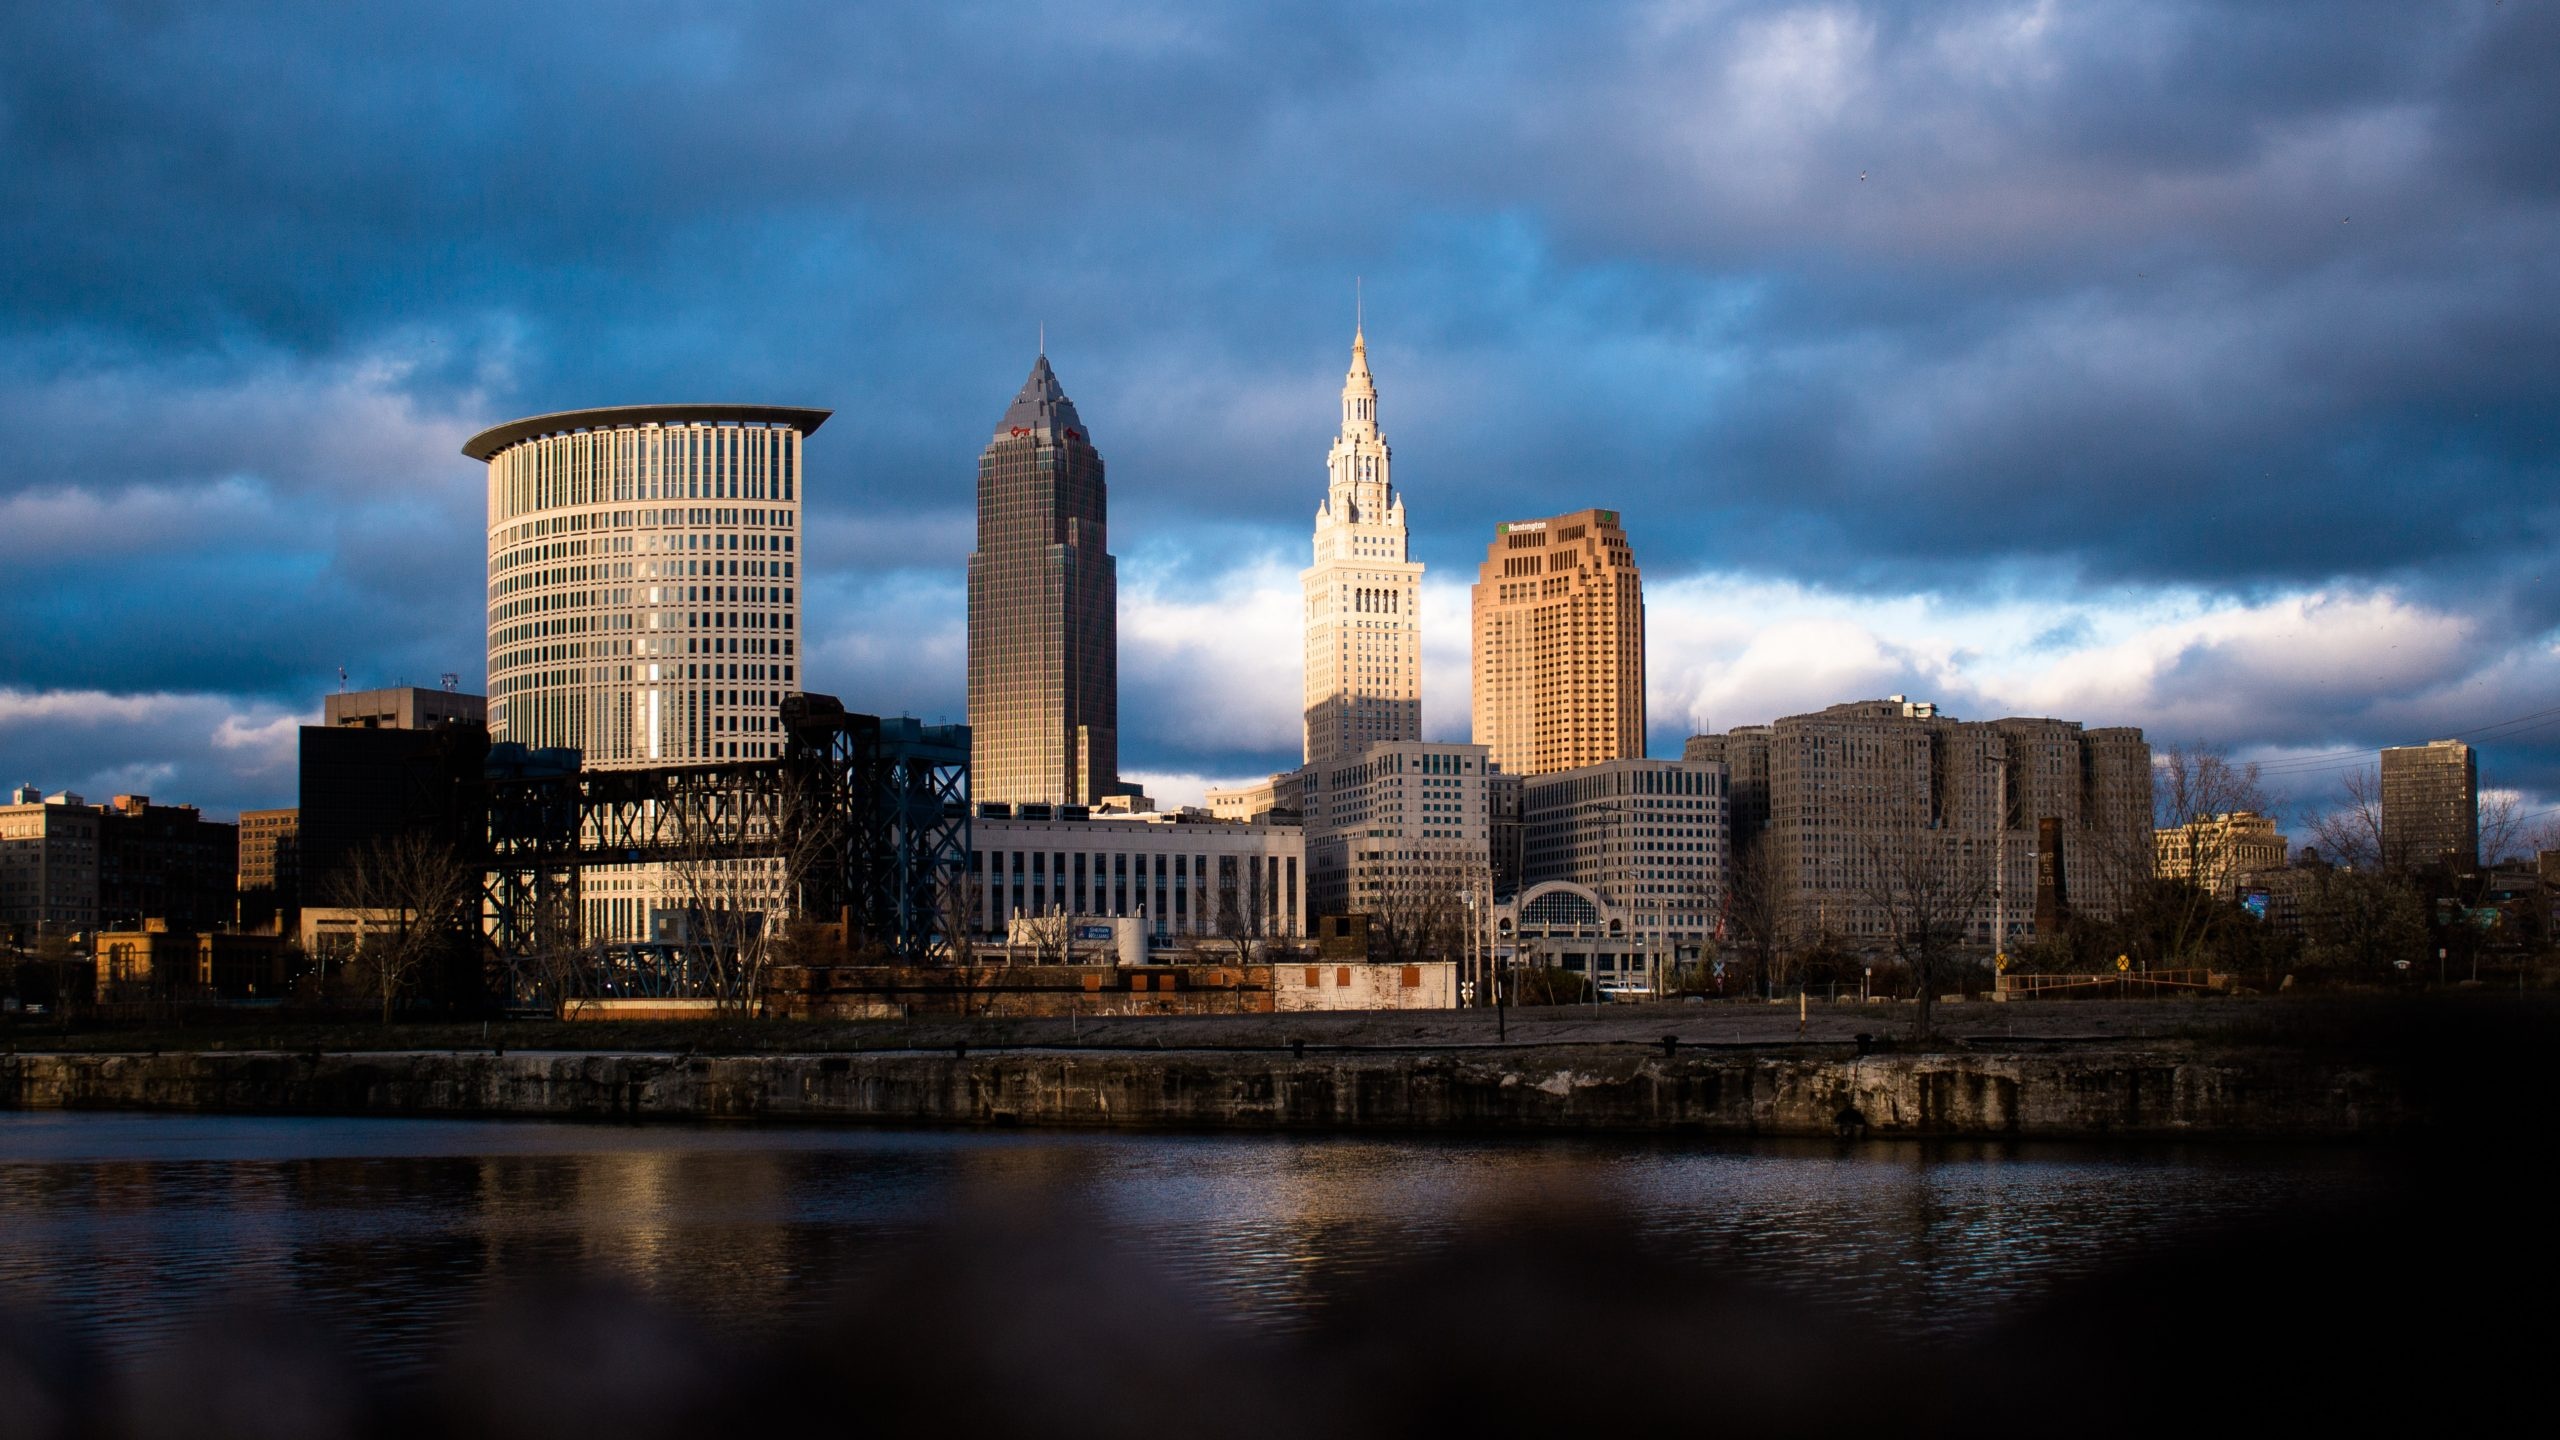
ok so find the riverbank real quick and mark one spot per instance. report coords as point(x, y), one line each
point(2032, 1090)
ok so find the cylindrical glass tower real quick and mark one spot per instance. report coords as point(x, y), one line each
point(644, 608)
point(644, 579)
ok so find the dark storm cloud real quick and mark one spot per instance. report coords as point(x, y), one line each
point(2220, 296)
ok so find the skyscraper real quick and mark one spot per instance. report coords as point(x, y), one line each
point(644, 588)
point(1363, 616)
point(1559, 645)
point(644, 599)
point(2431, 806)
point(1044, 637)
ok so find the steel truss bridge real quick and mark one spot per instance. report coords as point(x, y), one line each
point(862, 820)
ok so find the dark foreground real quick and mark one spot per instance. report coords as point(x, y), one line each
point(215, 1276)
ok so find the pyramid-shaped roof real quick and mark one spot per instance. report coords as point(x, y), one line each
point(1041, 408)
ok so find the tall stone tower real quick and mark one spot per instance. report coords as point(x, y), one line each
point(1044, 646)
point(1559, 645)
point(1364, 621)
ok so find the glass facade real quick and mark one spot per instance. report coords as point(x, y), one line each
point(644, 587)
point(1044, 650)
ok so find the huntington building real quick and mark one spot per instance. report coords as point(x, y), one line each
point(1559, 645)
point(1044, 647)
point(644, 594)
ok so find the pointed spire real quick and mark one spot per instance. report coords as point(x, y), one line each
point(1042, 405)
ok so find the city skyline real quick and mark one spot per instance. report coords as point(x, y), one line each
point(2246, 443)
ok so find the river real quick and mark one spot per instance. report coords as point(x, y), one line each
point(129, 1229)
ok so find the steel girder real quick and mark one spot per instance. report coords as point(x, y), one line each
point(870, 815)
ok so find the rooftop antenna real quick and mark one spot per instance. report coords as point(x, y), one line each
point(1359, 307)
point(1044, 337)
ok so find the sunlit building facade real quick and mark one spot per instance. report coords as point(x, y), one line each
point(644, 593)
point(1044, 637)
point(1559, 645)
point(1363, 593)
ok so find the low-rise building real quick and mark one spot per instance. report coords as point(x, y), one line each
point(1187, 876)
point(2214, 851)
point(157, 962)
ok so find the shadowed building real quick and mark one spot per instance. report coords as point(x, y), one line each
point(1044, 640)
point(1559, 645)
point(1363, 594)
point(2431, 806)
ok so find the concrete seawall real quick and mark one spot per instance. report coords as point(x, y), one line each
point(2151, 1090)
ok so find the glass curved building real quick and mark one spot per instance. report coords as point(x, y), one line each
point(644, 579)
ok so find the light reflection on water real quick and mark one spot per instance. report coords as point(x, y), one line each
point(133, 1227)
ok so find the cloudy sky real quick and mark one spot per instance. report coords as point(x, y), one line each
point(2187, 365)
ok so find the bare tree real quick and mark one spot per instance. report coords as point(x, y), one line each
point(1417, 920)
point(1928, 887)
point(1050, 936)
point(2502, 828)
point(2194, 780)
point(1241, 903)
point(739, 868)
point(2349, 833)
point(1760, 912)
point(411, 896)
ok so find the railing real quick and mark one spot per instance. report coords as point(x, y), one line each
point(2119, 982)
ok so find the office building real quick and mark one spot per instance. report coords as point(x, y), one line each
point(1859, 791)
point(48, 866)
point(1744, 753)
point(166, 863)
point(1363, 593)
point(270, 871)
point(2431, 807)
point(1185, 877)
point(402, 707)
point(1559, 645)
point(644, 585)
point(71, 868)
point(1400, 830)
point(366, 789)
point(2214, 851)
point(1044, 646)
point(644, 596)
point(1646, 837)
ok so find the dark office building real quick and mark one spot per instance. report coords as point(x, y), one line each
point(166, 863)
point(2431, 807)
point(362, 787)
point(1044, 648)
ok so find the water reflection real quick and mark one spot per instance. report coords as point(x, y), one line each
point(393, 1232)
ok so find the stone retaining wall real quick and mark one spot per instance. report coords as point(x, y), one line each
point(2138, 1091)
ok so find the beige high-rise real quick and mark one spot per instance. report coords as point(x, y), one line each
point(1559, 645)
point(1364, 596)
